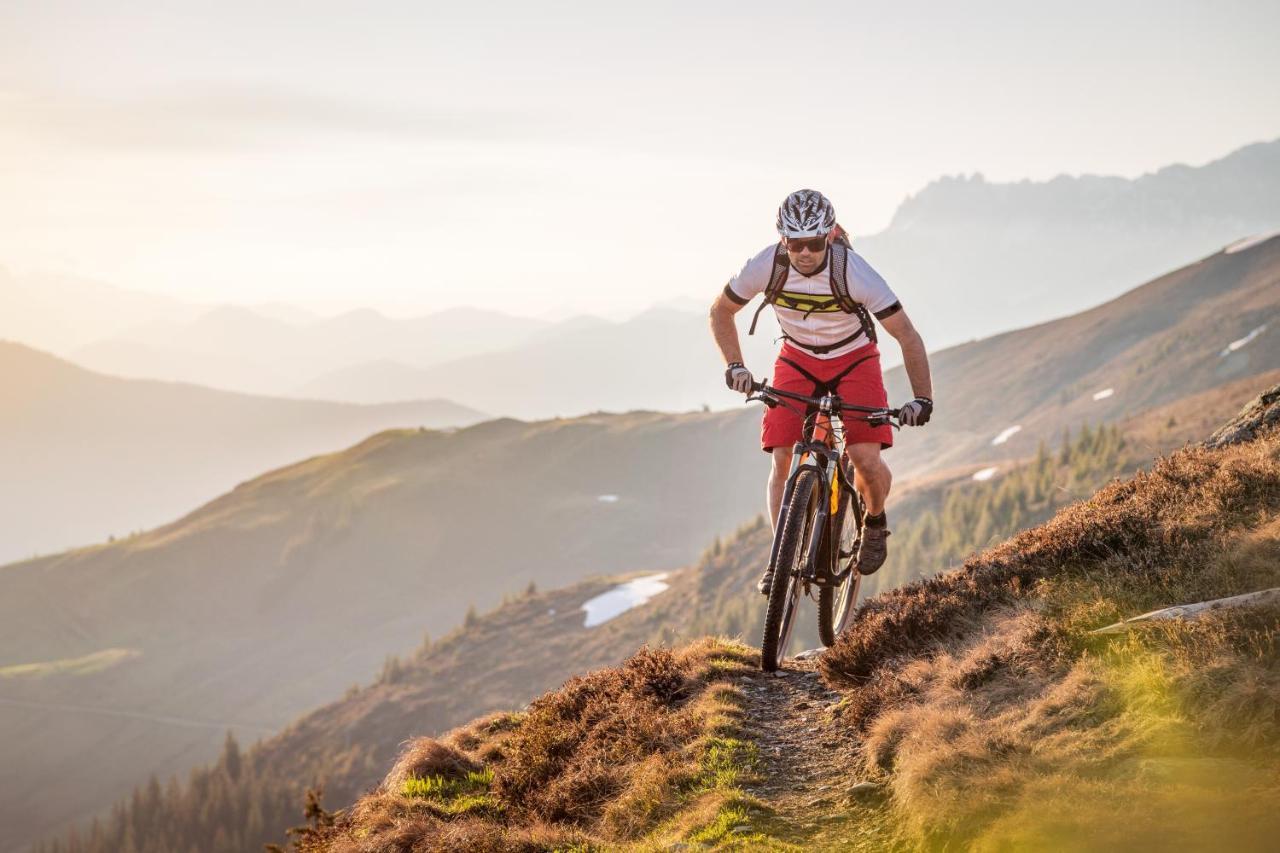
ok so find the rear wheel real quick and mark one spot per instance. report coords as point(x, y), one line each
point(836, 604)
point(784, 594)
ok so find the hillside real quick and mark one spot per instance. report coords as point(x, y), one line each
point(343, 746)
point(976, 258)
point(88, 456)
point(370, 512)
point(971, 710)
point(1187, 332)
point(277, 596)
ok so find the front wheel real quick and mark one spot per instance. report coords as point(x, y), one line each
point(784, 594)
point(836, 604)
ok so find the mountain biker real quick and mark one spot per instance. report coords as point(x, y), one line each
point(828, 336)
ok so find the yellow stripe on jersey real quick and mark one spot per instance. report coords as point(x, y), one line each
point(808, 302)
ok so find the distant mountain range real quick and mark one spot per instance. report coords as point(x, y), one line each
point(1189, 331)
point(87, 456)
point(971, 258)
point(666, 357)
point(244, 349)
point(661, 359)
point(60, 313)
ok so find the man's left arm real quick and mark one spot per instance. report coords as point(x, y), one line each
point(914, 357)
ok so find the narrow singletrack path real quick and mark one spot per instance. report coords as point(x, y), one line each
point(809, 764)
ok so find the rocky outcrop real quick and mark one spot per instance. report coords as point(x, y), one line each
point(1261, 415)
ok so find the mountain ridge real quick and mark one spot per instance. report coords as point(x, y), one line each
point(972, 259)
point(91, 455)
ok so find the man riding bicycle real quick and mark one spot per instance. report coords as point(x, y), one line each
point(829, 344)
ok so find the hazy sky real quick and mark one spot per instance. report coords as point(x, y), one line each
point(558, 157)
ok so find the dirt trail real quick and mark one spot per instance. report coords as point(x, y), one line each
point(809, 765)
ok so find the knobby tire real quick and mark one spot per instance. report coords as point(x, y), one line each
point(784, 592)
point(836, 605)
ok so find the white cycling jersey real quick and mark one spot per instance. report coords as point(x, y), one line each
point(822, 322)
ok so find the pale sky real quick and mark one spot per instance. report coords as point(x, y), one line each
point(553, 158)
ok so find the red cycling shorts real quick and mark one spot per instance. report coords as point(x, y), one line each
point(863, 386)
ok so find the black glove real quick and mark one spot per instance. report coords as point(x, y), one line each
point(917, 412)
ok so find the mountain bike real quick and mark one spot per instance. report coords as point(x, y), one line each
point(819, 528)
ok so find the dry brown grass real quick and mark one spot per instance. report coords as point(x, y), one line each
point(428, 757)
point(1143, 529)
point(995, 720)
point(603, 760)
point(999, 723)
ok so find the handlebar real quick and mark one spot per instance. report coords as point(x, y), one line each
point(769, 395)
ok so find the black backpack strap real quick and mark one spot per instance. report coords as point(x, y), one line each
point(777, 278)
point(840, 288)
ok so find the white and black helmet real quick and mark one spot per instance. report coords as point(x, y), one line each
point(806, 213)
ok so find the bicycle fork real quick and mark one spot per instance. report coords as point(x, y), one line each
point(813, 546)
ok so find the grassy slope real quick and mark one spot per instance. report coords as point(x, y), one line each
point(648, 750)
point(996, 720)
point(978, 699)
point(260, 581)
point(274, 598)
point(345, 744)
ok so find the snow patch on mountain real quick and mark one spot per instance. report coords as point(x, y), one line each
point(1006, 435)
point(622, 598)
point(1241, 342)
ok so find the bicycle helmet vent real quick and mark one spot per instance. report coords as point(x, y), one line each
point(806, 213)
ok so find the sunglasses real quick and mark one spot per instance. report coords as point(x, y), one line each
point(813, 244)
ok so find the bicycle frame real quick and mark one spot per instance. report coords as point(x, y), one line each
point(827, 453)
point(812, 546)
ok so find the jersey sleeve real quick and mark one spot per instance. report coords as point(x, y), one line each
point(869, 287)
point(752, 279)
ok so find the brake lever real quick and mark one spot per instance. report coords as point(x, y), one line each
point(883, 420)
point(768, 400)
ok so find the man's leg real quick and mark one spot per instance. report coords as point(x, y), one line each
point(873, 480)
point(778, 483)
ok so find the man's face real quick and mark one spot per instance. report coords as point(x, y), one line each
point(806, 253)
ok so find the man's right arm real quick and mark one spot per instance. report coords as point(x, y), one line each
point(723, 328)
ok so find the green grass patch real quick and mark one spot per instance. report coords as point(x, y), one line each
point(444, 788)
point(727, 762)
point(450, 797)
point(735, 827)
